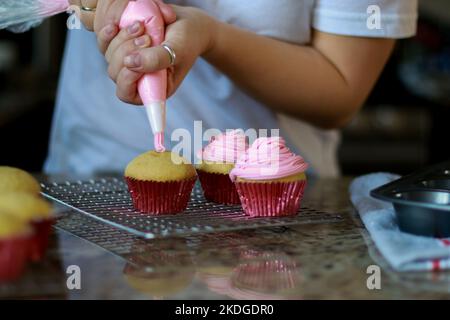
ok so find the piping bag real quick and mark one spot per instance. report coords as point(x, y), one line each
point(152, 87)
point(21, 15)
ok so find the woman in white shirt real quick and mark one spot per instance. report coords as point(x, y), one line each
point(303, 66)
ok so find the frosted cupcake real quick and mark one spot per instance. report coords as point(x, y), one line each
point(17, 180)
point(14, 239)
point(218, 159)
point(160, 182)
point(270, 179)
point(35, 211)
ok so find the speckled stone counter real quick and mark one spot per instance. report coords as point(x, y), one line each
point(313, 261)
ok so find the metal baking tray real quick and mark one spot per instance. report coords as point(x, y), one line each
point(108, 200)
point(421, 201)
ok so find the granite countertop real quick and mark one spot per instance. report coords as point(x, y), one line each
point(311, 261)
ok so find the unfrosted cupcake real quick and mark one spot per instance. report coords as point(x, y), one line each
point(35, 211)
point(160, 182)
point(270, 179)
point(218, 159)
point(14, 240)
point(17, 180)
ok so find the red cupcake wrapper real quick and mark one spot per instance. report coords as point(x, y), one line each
point(40, 240)
point(218, 188)
point(271, 199)
point(160, 197)
point(13, 258)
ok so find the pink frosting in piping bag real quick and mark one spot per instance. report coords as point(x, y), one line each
point(152, 87)
point(225, 148)
point(268, 158)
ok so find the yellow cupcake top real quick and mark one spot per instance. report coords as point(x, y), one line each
point(160, 166)
point(215, 167)
point(17, 180)
point(25, 206)
point(11, 226)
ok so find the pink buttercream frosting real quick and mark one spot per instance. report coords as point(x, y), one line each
point(225, 148)
point(159, 142)
point(268, 158)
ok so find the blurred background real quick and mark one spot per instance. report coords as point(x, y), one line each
point(404, 125)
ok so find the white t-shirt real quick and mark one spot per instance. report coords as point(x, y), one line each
point(94, 131)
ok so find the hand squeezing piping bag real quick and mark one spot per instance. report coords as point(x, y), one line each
point(20, 16)
point(152, 87)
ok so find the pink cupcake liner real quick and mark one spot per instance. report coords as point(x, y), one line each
point(271, 199)
point(13, 258)
point(40, 240)
point(160, 197)
point(218, 188)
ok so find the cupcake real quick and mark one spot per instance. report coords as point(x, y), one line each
point(160, 182)
point(218, 159)
point(16, 180)
point(14, 239)
point(37, 213)
point(270, 179)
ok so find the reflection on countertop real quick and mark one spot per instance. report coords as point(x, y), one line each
point(313, 261)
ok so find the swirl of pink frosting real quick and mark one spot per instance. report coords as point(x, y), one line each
point(268, 158)
point(225, 148)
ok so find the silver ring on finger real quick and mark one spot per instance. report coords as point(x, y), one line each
point(172, 54)
point(87, 9)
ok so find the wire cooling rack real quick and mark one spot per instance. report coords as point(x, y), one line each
point(143, 252)
point(108, 200)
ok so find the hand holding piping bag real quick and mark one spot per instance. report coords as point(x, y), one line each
point(190, 33)
point(152, 87)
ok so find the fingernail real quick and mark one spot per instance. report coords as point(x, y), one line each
point(141, 41)
point(134, 28)
point(133, 61)
point(109, 30)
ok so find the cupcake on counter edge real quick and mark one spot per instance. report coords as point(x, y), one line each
point(15, 236)
point(160, 182)
point(218, 159)
point(17, 180)
point(270, 179)
point(36, 212)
